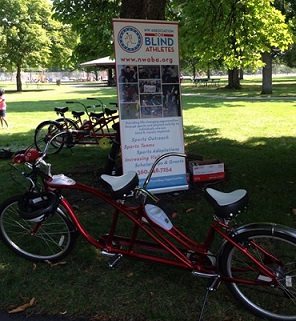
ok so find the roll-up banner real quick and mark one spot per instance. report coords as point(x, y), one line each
point(149, 100)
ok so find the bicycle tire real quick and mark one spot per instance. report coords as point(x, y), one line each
point(52, 241)
point(44, 132)
point(67, 123)
point(266, 301)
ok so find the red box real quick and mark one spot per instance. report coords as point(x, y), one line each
point(206, 170)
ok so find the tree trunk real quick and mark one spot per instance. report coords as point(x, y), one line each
point(18, 79)
point(241, 74)
point(193, 71)
point(267, 74)
point(143, 9)
point(233, 79)
point(209, 72)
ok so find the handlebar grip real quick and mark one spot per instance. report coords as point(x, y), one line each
point(166, 208)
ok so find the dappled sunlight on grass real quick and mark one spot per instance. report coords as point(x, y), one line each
point(251, 88)
point(255, 139)
point(240, 121)
point(3, 267)
point(257, 143)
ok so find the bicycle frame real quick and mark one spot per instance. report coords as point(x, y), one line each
point(168, 246)
point(171, 247)
point(137, 215)
point(92, 130)
point(250, 255)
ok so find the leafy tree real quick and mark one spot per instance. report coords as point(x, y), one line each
point(29, 37)
point(234, 32)
point(92, 20)
point(288, 9)
point(62, 43)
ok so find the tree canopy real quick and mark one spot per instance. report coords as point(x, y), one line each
point(30, 38)
point(92, 20)
point(232, 33)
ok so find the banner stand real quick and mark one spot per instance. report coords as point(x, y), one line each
point(149, 100)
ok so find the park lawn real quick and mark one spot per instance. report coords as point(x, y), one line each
point(253, 135)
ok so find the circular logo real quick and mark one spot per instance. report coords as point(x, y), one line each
point(130, 39)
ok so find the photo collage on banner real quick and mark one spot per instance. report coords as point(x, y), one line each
point(149, 100)
point(149, 91)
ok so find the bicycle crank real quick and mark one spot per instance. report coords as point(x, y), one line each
point(113, 261)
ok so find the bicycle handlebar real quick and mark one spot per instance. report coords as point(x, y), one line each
point(161, 157)
point(38, 157)
point(86, 107)
point(75, 102)
point(91, 98)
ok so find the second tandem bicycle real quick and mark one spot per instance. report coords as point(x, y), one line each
point(257, 261)
point(97, 128)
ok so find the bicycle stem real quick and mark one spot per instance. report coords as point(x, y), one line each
point(145, 193)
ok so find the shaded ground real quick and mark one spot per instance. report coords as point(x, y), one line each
point(5, 316)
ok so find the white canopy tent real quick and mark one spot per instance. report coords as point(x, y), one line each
point(106, 63)
point(101, 62)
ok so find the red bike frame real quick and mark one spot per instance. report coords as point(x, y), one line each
point(92, 130)
point(170, 247)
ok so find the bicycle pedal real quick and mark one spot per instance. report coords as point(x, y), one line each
point(114, 260)
point(213, 286)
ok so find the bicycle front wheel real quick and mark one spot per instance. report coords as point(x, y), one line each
point(50, 240)
point(44, 133)
point(275, 248)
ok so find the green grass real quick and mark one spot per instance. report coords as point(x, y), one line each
point(253, 135)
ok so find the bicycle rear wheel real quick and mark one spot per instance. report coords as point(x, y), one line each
point(275, 247)
point(67, 123)
point(43, 134)
point(52, 240)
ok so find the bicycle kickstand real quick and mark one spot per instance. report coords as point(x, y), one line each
point(214, 283)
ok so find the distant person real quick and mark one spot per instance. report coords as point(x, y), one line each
point(2, 108)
